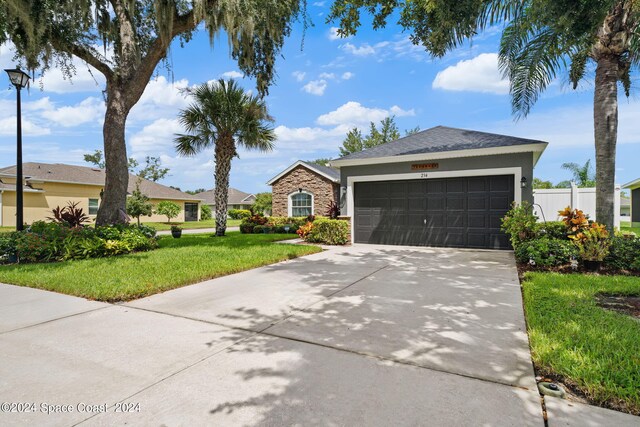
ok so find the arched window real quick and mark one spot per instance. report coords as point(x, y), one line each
point(301, 204)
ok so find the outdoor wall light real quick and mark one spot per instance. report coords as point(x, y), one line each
point(20, 80)
point(299, 190)
point(523, 182)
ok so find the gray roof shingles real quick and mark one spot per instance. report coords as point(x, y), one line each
point(94, 176)
point(333, 173)
point(437, 139)
point(235, 197)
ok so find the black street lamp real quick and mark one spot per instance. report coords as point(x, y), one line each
point(19, 79)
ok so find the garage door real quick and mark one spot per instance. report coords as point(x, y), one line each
point(453, 212)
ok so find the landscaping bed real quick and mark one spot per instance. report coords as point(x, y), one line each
point(176, 262)
point(594, 351)
point(191, 225)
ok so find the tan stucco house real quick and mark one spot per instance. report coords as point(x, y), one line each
point(50, 185)
point(236, 199)
point(303, 189)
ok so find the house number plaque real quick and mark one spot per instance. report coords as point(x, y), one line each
point(424, 166)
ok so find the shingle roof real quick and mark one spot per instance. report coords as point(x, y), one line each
point(438, 139)
point(93, 176)
point(326, 170)
point(235, 197)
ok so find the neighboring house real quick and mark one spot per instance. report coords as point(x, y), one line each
point(625, 207)
point(304, 189)
point(48, 186)
point(439, 187)
point(236, 199)
point(634, 186)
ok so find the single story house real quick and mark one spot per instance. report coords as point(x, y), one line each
point(304, 189)
point(236, 199)
point(48, 186)
point(439, 187)
point(634, 187)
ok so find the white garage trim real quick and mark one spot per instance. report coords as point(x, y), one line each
point(351, 180)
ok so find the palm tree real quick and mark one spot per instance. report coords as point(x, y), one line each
point(541, 40)
point(224, 116)
point(582, 175)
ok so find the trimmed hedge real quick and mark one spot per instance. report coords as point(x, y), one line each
point(239, 213)
point(546, 252)
point(329, 231)
point(624, 253)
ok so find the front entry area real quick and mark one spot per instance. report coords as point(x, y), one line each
point(462, 212)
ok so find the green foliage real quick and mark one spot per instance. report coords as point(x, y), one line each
point(624, 253)
point(329, 232)
point(259, 229)
point(239, 213)
point(263, 203)
point(97, 159)
point(293, 222)
point(520, 223)
point(552, 229)
point(138, 204)
point(51, 241)
point(168, 209)
point(546, 252)
point(205, 212)
point(355, 142)
point(248, 224)
point(153, 170)
point(540, 184)
point(324, 161)
point(583, 176)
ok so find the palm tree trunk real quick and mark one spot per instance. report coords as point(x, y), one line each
point(605, 119)
point(112, 208)
point(225, 150)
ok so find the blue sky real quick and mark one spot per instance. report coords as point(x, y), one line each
point(322, 90)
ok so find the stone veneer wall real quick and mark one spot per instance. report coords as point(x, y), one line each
point(324, 190)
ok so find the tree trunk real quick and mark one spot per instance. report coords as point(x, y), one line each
point(225, 151)
point(112, 209)
point(605, 120)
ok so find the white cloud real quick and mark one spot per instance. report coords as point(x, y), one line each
point(364, 49)
point(232, 75)
point(155, 138)
point(315, 87)
point(327, 76)
point(319, 3)
point(161, 98)
point(399, 112)
point(299, 75)
point(29, 128)
point(352, 114)
point(347, 75)
point(480, 74)
point(89, 110)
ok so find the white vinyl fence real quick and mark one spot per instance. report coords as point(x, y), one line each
point(547, 203)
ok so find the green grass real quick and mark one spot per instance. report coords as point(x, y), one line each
point(191, 225)
point(7, 229)
point(594, 350)
point(177, 262)
point(634, 229)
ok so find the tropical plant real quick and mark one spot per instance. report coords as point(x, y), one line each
point(575, 220)
point(593, 243)
point(224, 116)
point(138, 204)
point(168, 209)
point(70, 215)
point(263, 203)
point(520, 223)
point(205, 212)
point(333, 210)
point(305, 230)
point(583, 175)
point(541, 40)
point(125, 40)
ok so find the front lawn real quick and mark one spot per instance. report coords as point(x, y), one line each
point(191, 225)
point(593, 350)
point(629, 228)
point(177, 262)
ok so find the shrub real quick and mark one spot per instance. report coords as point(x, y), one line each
point(247, 224)
point(293, 222)
point(258, 229)
point(246, 228)
point(592, 242)
point(239, 214)
point(329, 231)
point(574, 220)
point(305, 230)
point(553, 229)
point(70, 215)
point(624, 253)
point(139, 205)
point(147, 231)
point(168, 209)
point(205, 212)
point(333, 210)
point(8, 246)
point(546, 252)
point(520, 223)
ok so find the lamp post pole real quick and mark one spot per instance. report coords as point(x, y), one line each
point(19, 188)
point(19, 79)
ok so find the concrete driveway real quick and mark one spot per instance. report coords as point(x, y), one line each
point(362, 335)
